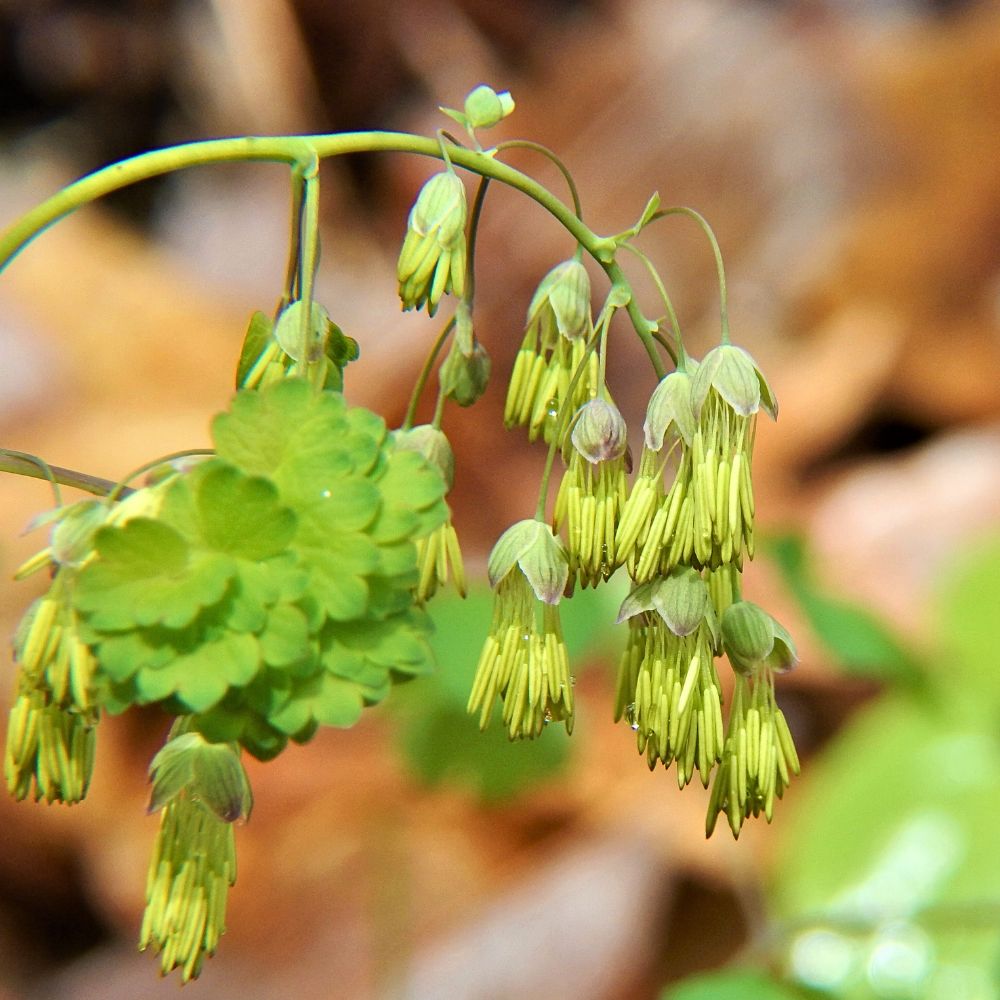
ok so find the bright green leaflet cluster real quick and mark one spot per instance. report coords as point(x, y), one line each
point(271, 594)
point(277, 582)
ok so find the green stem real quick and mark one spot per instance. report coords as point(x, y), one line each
point(475, 216)
point(645, 328)
point(719, 268)
point(308, 263)
point(560, 166)
point(438, 411)
point(680, 355)
point(425, 374)
point(294, 243)
point(121, 487)
point(293, 150)
point(19, 464)
point(43, 470)
point(602, 354)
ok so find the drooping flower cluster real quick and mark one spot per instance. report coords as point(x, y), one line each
point(683, 531)
point(554, 347)
point(279, 583)
point(524, 660)
point(202, 789)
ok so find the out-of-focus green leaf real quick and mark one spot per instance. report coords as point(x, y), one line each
point(863, 645)
point(442, 743)
point(888, 873)
point(969, 614)
point(733, 984)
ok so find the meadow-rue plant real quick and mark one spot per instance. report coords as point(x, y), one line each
point(278, 581)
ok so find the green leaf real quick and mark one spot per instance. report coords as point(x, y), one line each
point(201, 677)
point(862, 644)
point(326, 699)
point(241, 515)
point(892, 846)
point(146, 574)
point(732, 984)
point(285, 638)
point(441, 742)
point(257, 337)
point(342, 595)
point(262, 428)
point(968, 610)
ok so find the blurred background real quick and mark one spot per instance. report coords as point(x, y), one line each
point(848, 155)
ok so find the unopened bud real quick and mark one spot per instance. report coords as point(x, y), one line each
point(599, 433)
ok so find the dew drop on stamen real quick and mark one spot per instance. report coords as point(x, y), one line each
point(630, 716)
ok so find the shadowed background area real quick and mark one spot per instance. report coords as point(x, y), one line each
point(847, 156)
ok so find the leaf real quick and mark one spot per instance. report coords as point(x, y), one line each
point(285, 638)
point(146, 574)
point(257, 337)
point(262, 428)
point(862, 644)
point(324, 699)
point(968, 610)
point(732, 984)
point(241, 515)
point(894, 840)
point(201, 677)
point(441, 742)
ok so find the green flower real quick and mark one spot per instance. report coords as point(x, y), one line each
point(438, 554)
point(50, 749)
point(668, 688)
point(755, 641)
point(52, 728)
point(758, 758)
point(554, 346)
point(593, 491)
point(202, 789)
point(524, 660)
point(655, 533)
point(432, 259)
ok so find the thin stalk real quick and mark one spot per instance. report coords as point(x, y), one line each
point(680, 356)
point(45, 471)
point(560, 166)
point(20, 464)
point(438, 411)
point(294, 241)
point(302, 150)
point(121, 488)
point(308, 263)
point(474, 217)
point(425, 374)
point(719, 267)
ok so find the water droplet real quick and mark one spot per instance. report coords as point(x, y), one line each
point(325, 494)
point(630, 716)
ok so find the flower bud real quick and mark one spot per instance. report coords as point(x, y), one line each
point(533, 547)
point(599, 432)
point(670, 410)
point(484, 107)
point(432, 259)
point(561, 304)
point(433, 445)
point(734, 375)
point(288, 331)
point(464, 376)
point(210, 773)
point(754, 640)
